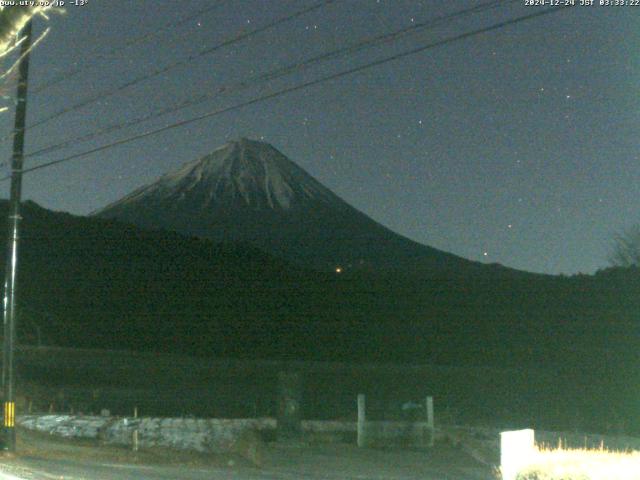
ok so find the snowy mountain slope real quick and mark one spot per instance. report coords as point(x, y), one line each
point(248, 191)
point(242, 174)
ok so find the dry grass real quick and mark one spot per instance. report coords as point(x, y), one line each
point(566, 464)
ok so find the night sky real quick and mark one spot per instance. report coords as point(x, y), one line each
point(518, 146)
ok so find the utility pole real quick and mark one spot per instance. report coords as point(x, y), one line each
point(11, 265)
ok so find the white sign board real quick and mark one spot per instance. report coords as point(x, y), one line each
point(517, 450)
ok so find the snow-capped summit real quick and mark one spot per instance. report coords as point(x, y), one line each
point(240, 174)
point(249, 191)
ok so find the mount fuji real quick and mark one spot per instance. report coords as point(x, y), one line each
point(247, 191)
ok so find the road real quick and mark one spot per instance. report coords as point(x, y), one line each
point(331, 462)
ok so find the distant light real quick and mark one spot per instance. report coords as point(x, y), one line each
point(338, 269)
point(485, 253)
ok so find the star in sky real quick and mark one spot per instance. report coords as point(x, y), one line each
point(449, 119)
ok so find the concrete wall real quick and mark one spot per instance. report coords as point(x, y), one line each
point(207, 435)
point(204, 435)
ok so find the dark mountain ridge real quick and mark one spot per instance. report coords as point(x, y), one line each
point(94, 283)
point(89, 282)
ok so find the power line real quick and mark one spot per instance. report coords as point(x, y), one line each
point(188, 60)
point(274, 74)
point(297, 88)
point(134, 41)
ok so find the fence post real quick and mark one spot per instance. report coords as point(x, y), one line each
point(430, 421)
point(362, 418)
point(289, 406)
point(134, 439)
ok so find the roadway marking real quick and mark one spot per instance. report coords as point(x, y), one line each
point(6, 476)
point(35, 474)
point(130, 467)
